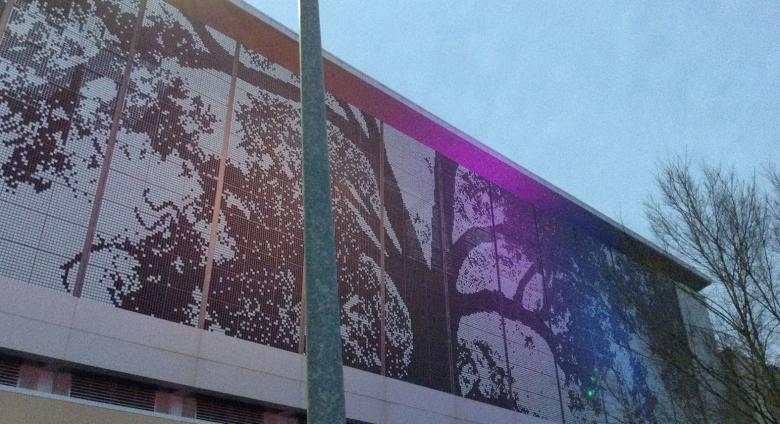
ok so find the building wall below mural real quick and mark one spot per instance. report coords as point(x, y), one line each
point(151, 162)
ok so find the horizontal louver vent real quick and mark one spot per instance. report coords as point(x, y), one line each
point(112, 390)
point(228, 412)
point(9, 370)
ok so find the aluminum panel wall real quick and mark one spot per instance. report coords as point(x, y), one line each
point(60, 66)
point(154, 163)
point(416, 332)
point(149, 250)
point(258, 266)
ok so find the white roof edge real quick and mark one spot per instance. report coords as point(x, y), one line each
point(390, 92)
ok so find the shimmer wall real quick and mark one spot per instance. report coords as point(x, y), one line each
point(153, 163)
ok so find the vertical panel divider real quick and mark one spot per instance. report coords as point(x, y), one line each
point(541, 260)
point(491, 195)
point(204, 299)
point(5, 16)
point(106, 166)
point(612, 268)
point(601, 393)
point(382, 279)
point(444, 241)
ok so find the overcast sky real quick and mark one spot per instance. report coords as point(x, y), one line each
point(590, 96)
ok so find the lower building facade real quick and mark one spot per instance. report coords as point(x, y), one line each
point(151, 241)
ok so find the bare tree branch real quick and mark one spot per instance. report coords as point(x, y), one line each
point(728, 227)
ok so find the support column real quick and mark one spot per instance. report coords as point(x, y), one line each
point(324, 373)
point(100, 190)
point(204, 299)
point(541, 258)
point(492, 195)
point(445, 241)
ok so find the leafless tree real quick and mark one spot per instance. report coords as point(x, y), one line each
point(728, 227)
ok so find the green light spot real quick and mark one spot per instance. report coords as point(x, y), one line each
point(590, 393)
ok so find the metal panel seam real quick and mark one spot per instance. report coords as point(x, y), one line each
point(491, 196)
point(540, 258)
point(100, 190)
point(445, 278)
point(204, 299)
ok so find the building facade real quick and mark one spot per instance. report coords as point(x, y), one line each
point(151, 240)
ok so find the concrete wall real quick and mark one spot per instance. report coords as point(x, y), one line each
point(89, 333)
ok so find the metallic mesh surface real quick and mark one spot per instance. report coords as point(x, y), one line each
point(446, 280)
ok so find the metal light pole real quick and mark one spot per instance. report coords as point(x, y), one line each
point(324, 375)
